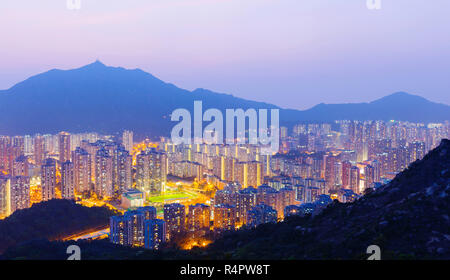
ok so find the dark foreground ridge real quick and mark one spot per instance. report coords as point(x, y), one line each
point(50, 220)
point(407, 218)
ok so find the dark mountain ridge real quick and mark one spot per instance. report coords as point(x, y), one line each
point(108, 99)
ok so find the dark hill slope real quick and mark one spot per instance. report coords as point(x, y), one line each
point(50, 220)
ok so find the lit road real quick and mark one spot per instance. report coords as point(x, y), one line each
point(94, 234)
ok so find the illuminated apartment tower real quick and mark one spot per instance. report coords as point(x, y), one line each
point(377, 171)
point(240, 172)
point(330, 174)
point(127, 230)
point(175, 217)
point(151, 171)
point(127, 140)
point(142, 172)
point(217, 166)
point(103, 186)
point(416, 150)
point(155, 233)
point(48, 179)
point(198, 220)
point(64, 146)
point(135, 228)
point(261, 214)
point(227, 168)
point(158, 163)
point(346, 166)
point(39, 150)
point(20, 193)
point(245, 201)
point(354, 179)
point(149, 212)
point(225, 196)
point(265, 165)
point(253, 174)
point(4, 144)
point(19, 143)
point(224, 218)
point(268, 196)
point(130, 229)
point(5, 194)
point(20, 166)
point(67, 180)
point(286, 197)
point(369, 175)
point(123, 164)
point(82, 170)
point(118, 230)
point(91, 149)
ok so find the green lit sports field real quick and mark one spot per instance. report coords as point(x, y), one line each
point(170, 196)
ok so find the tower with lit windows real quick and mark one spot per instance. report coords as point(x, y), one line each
point(48, 179)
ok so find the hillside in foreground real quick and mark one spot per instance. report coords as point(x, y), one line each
point(51, 220)
point(407, 218)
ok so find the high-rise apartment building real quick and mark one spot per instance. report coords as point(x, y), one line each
point(20, 193)
point(175, 217)
point(64, 146)
point(103, 186)
point(346, 166)
point(135, 228)
point(245, 201)
point(369, 175)
point(118, 230)
point(127, 140)
point(155, 233)
point(48, 179)
point(224, 218)
point(151, 171)
point(354, 179)
point(198, 218)
point(5, 196)
point(123, 179)
point(67, 180)
point(82, 170)
point(20, 166)
point(261, 214)
point(39, 149)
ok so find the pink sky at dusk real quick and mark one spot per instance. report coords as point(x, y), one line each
point(293, 53)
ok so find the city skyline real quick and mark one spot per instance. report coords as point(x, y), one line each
point(266, 49)
point(190, 195)
point(224, 130)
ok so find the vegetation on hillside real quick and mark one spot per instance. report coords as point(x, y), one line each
point(52, 220)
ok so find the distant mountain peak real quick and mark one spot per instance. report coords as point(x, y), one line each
point(108, 99)
point(401, 97)
point(96, 64)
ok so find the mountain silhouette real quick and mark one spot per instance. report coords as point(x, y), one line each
point(109, 99)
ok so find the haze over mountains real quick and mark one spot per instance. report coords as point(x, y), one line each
point(107, 99)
